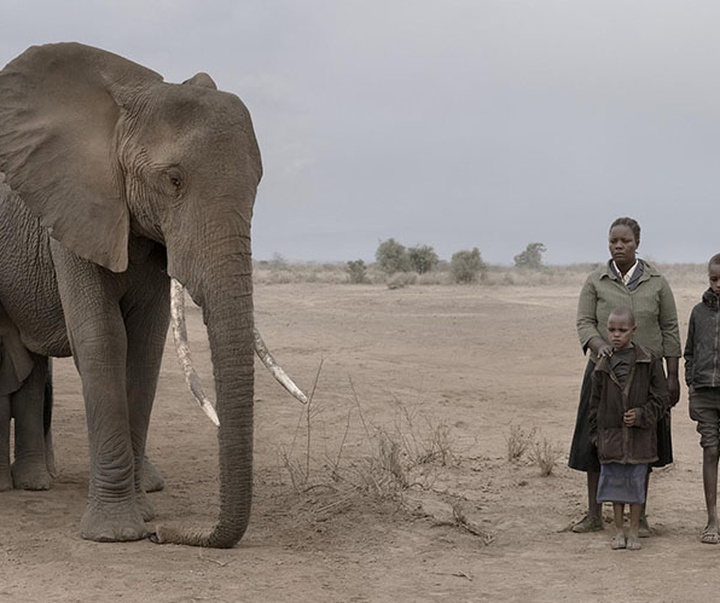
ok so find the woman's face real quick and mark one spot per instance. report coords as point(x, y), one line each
point(622, 245)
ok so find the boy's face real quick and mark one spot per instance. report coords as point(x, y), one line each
point(620, 331)
point(714, 277)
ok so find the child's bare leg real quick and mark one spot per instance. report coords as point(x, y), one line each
point(633, 539)
point(618, 541)
point(710, 479)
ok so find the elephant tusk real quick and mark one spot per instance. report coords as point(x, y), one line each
point(276, 370)
point(179, 328)
point(177, 311)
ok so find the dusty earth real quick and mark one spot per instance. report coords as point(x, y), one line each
point(439, 374)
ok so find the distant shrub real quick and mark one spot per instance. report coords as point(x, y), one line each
point(278, 262)
point(392, 257)
point(357, 271)
point(422, 258)
point(466, 266)
point(532, 257)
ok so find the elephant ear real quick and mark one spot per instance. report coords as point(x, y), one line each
point(59, 107)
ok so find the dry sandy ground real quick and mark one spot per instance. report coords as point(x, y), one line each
point(466, 363)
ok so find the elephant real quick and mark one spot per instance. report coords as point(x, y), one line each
point(26, 397)
point(116, 182)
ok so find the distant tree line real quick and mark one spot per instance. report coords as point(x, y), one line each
point(465, 266)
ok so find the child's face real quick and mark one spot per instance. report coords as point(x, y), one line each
point(620, 331)
point(714, 277)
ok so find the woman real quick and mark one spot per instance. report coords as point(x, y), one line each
point(625, 281)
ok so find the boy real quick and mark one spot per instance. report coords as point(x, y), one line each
point(629, 394)
point(702, 375)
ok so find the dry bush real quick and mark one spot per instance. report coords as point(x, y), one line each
point(409, 453)
point(518, 442)
point(394, 457)
point(401, 279)
point(545, 455)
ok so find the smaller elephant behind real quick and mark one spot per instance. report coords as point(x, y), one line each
point(26, 397)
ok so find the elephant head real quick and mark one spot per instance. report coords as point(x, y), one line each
point(103, 150)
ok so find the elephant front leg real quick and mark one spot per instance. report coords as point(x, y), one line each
point(112, 513)
point(146, 312)
point(90, 300)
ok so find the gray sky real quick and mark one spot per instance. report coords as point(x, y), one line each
point(450, 123)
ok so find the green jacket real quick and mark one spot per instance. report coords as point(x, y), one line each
point(652, 302)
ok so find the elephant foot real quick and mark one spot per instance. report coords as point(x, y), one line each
point(152, 480)
point(112, 523)
point(144, 506)
point(31, 475)
point(5, 480)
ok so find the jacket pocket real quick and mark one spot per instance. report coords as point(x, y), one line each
point(610, 444)
point(643, 445)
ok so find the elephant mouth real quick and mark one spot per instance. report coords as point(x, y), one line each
point(182, 347)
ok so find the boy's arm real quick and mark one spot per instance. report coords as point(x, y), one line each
point(690, 350)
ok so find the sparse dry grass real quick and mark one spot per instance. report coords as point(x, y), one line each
point(518, 442)
point(387, 462)
point(521, 442)
point(545, 455)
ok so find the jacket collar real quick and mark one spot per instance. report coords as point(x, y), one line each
point(642, 356)
point(648, 271)
point(711, 300)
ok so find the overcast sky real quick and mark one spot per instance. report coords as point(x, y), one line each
point(450, 123)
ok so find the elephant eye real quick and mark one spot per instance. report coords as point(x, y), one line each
point(175, 182)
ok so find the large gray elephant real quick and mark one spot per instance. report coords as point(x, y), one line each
point(117, 182)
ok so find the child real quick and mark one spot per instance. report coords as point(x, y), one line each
point(629, 395)
point(702, 375)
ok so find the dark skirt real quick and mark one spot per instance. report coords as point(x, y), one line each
point(583, 454)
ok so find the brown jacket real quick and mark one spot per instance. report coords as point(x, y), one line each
point(646, 391)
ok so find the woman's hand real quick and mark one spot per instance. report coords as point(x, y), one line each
point(673, 385)
point(601, 347)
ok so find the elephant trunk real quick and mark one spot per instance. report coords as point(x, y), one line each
point(228, 313)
